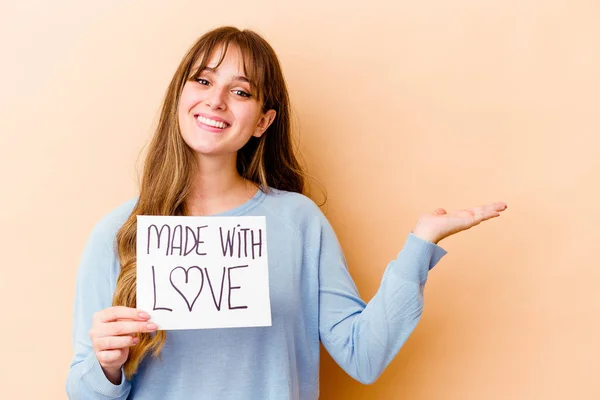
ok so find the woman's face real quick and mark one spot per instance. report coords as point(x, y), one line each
point(218, 112)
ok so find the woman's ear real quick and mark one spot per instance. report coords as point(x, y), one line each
point(264, 122)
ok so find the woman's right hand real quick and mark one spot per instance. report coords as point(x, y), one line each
point(113, 332)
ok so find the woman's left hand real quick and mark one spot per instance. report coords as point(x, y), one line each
point(441, 224)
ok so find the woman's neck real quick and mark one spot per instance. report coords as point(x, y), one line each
point(218, 187)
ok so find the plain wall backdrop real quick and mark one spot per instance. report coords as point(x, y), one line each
point(401, 107)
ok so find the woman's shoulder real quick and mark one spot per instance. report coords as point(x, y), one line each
point(295, 211)
point(112, 220)
point(292, 202)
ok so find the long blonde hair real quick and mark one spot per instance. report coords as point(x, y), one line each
point(170, 166)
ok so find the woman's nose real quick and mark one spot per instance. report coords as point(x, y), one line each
point(216, 98)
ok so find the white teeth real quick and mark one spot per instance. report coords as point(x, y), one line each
point(210, 122)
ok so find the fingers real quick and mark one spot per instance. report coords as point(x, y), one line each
point(116, 313)
point(487, 211)
point(483, 213)
point(497, 206)
point(114, 330)
point(109, 357)
point(115, 342)
point(120, 328)
point(493, 210)
point(488, 215)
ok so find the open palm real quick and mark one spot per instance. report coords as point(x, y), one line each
point(441, 224)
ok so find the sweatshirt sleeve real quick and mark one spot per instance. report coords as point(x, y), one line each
point(364, 338)
point(95, 283)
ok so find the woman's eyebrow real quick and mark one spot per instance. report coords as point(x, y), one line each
point(241, 78)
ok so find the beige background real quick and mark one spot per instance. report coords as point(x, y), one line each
point(403, 106)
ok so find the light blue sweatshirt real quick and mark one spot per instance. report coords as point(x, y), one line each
point(313, 299)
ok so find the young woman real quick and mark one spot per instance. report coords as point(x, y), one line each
point(223, 147)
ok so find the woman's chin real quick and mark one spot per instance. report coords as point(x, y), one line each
point(204, 147)
point(211, 152)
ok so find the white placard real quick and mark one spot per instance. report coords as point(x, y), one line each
point(203, 272)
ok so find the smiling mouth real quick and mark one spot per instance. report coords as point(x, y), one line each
point(210, 122)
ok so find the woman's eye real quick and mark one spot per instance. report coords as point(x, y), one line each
point(202, 81)
point(242, 93)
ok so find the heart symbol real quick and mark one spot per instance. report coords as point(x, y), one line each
point(187, 276)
